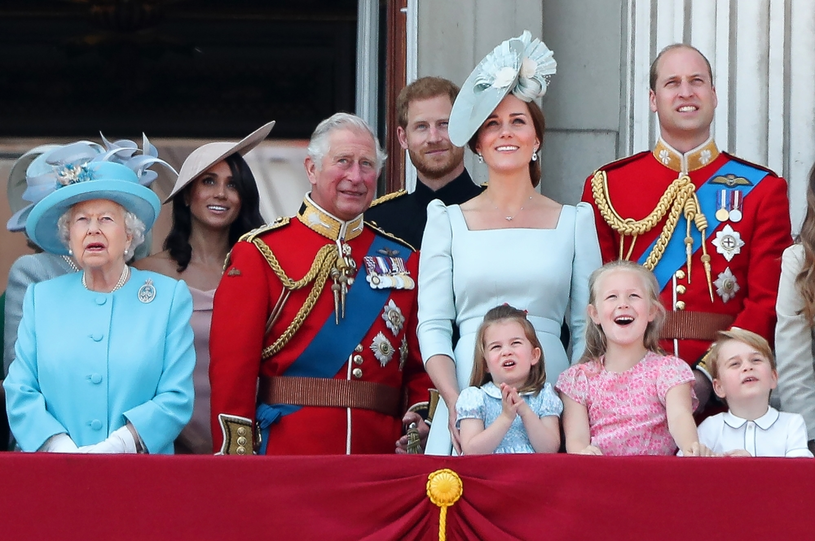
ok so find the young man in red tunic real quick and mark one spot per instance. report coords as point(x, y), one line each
point(710, 225)
point(313, 329)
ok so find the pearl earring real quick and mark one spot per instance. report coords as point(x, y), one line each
point(480, 158)
point(70, 252)
point(535, 157)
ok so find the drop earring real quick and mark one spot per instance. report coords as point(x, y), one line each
point(480, 158)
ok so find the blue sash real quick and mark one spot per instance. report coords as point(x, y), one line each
point(330, 347)
point(674, 256)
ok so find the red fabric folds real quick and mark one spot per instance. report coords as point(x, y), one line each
point(384, 497)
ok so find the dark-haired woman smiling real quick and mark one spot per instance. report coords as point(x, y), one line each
point(215, 201)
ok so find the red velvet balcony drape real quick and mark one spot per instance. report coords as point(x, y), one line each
point(64, 497)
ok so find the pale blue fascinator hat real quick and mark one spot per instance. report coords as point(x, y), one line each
point(83, 171)
point(519, 65)
point(17, 186)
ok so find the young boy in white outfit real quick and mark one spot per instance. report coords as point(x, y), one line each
point(744, 375)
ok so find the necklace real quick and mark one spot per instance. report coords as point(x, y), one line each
point(509, 218)
point(71, 263)
point(122, 279)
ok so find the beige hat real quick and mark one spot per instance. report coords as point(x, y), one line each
point(204, 157)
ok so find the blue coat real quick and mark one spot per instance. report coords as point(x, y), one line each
point(87, 362)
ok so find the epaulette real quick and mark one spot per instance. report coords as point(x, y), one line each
point(277, 224)
point(391, 236)
point(388, 197)
point(751, 164)
point(622, 161)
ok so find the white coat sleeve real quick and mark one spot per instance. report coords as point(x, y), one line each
point(437, 310)
point(793, 343)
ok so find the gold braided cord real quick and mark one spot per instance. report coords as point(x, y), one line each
point(444, 488)
point(324, 261)
point(673, 203)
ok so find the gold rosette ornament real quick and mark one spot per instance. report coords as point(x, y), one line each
point(444, 488)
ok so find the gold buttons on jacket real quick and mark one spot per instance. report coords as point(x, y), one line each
point(357, 359)
point(357, 372)
point(680, 305)
point(680, 274)
point(681, 289)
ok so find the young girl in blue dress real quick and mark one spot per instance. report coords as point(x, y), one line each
point(509, 407)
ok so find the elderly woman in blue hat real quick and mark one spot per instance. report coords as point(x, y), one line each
point(508, 245)
point(104, 357)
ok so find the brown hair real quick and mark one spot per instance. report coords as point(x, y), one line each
point(745, 337)
point(423, 89)
point(654, 73)
point(539, 122)
point(595, 337)
point(805, 281)
point(537, 372)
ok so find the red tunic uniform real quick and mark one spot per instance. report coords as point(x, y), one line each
point(748, 291)
point(247, 295)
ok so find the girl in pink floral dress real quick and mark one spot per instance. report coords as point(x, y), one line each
point(626, 396)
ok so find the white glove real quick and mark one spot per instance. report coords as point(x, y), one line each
point(120, 441)
point(59, 443)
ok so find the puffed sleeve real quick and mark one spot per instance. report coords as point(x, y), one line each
point(793, 343)
point(30, 421)
point(159, 420)
point(673, 371)
point(437, 309)
point(574, 383)
point(586, 260)
point(471, 405)
point(548, 403)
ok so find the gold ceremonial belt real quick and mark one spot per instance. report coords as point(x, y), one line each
point(323, 392)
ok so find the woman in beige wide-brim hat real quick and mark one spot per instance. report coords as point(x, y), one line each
point(215, 201)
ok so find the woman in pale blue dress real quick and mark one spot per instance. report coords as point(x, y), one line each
point(509, 244)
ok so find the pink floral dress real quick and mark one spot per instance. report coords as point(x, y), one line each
point(627, 409)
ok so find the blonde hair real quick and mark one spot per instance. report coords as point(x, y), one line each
point(537, 372)
point(752, 339)
point(595, 337)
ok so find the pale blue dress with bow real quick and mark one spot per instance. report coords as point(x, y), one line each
point(485, 403)
point(463, 274)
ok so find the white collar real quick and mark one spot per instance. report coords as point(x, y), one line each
point(764, 422)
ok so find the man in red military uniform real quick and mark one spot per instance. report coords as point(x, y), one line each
point(313, 326)
point(711, 226)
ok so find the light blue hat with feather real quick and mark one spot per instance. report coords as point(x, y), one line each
point(521, 66)
point(82, 171)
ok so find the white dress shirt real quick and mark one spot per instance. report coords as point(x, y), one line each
point(773, 434)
